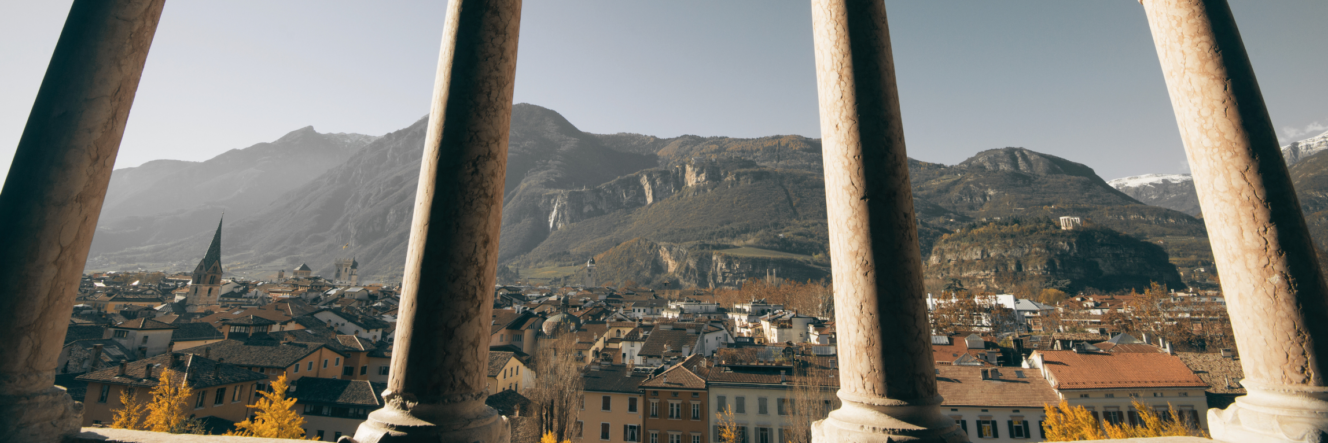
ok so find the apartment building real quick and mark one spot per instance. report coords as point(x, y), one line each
point(614, 409)
point(676, 404)
point(1108, 383)
point(995, 404)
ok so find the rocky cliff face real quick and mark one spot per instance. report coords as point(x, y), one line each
point(1295, 152)
point(697, 265)
point(1010, 256)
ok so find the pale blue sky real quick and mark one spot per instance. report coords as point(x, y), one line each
point(1077, 79)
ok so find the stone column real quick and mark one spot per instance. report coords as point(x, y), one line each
point(52, 198)
point(887, 381)
point(1270, 274)
point(437, 387)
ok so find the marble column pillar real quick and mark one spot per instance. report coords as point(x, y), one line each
point(1275, 293)
point(52, 198)
point(437, 386)
point(887, 376)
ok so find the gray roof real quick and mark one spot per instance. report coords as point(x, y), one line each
point(196, 331)
point(338, 392)
point(674, 338)
point(612, 378)
point(498, 360)
point(78, 332)
point(260, 353)
point(202, 372)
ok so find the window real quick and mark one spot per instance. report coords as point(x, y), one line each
point(675, 410)
point(654, 436)
point(338, 363)
point(121, 334)
point(145, 339)
point(631, 405)
point(580, 425)
point(631, 433)
point(581, 400)
point(1018, 428)
point(105, 392)
point(696, 411)
point(696, 438)
point(1109, 395)
point(364, 370)
point(311, 364)
point(1112, 414)
point(324, 363)
point(1086, 395)
point(721, 402)
point(297, 368)
point(696, 394)
point(675, 437)
point(761, 406)
point(221, 396)
point(1157, 394)
point(1019, 374)
point(987, 429)
point(1184, 394)
point(202, 400)
point(603, 431)
point(606, 404)
point(348, 371)
point(1134, 395)
point(336, 436)
point(762, 435)
point(740, 404)
point(654, 408)
point(781, 406)
point(963, 424)
point(236, 396)
point(382, 370)
point(319, 434)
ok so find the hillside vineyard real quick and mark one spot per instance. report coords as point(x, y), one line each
point(872, 230)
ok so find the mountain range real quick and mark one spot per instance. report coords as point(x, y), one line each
point(681, 211)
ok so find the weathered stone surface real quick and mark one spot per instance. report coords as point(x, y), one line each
point(51, 200)
point(436, 392)
point(887, 384)
point(1275, 293)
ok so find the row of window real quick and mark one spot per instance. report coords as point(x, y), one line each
point(783, 406)
point(606, 404)
point(311, 365)
point(741, 434)
point(1136, 394)
point(336, 411)
point(986, 428)
point(676, 409)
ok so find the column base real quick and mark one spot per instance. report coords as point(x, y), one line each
point(861, 422)
point(403, 420)
point(46, 416)
point(1270, 413)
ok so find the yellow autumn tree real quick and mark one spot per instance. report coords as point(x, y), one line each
point(1071, 423)
point(550, 438)
point(1153, 425)
point(169, 409)
point(131, 415)
point(276, 416)
point(728, 429)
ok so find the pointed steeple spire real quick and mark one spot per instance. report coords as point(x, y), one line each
point(213, 255)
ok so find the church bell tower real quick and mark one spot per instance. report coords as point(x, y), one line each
point(205, 288)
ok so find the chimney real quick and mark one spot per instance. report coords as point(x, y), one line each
point(147, 371)
point(96, 357)
point(1226, 353)
point(124, 364)
point(995, 374)
point(986, 374)
point(207, 353)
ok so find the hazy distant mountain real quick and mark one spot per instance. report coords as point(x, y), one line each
point(1171, 191)
point(683, 211)
point(166, 200)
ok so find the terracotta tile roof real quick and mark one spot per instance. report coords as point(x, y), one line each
point(676, 377)
point(266, 354)
point(1134, 347)
point(674, 338)
point(1072, 370)
point(81, 332)
point(1221, 373)
point(964, 386)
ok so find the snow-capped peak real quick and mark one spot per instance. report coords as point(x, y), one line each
point(1148, 180)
